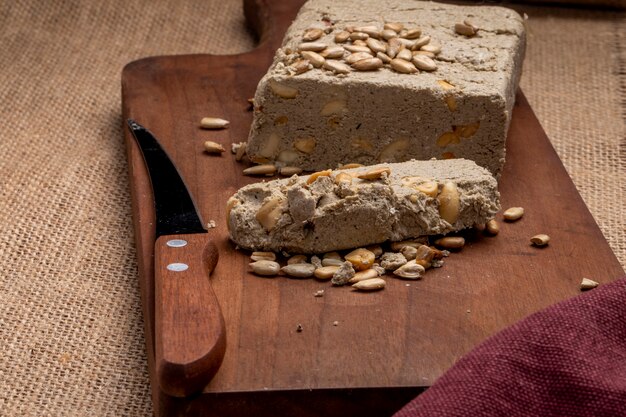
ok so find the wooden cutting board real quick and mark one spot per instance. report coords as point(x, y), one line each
point(364, 354)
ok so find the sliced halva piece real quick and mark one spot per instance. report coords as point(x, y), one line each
point(316, 115)
point(336, 210)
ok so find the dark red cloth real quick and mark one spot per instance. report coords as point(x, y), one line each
point(567, 360)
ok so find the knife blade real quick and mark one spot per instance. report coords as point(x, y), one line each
point(190, 340)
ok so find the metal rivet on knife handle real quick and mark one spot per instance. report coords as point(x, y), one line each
point(176, 243)
point(177, 267)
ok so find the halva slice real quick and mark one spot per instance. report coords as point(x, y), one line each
point(389, 81)
point(341, 209)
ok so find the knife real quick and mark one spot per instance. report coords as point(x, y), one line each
point(190, 339)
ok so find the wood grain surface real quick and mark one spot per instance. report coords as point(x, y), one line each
point(387, 346)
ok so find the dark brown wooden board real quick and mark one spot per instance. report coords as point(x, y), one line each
point(388, 346)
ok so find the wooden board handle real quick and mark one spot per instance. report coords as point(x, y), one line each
point(190, 336)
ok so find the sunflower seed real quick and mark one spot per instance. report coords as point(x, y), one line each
point(213, 147)
point(312, 46)
point(336, 67)
point(302, 270)
point(423, 53)
point(412, 33)
point(424, 40)
point(213, 123)
point(333, 52)
point(314, 176)
point(373, 284)
point(282, 90)
point(450, 242)
point(388, 34)
point(402, 66)
point(357, 56)
point(540, 240)
point(372, 31)
point(360, 36)
point(424, 63)
point(396, 27)
point(297, 259)
point(588, 284)
point(376, 45)
point(314, 58)
point(332, 259)
point(361, 259)
point(394, 47)
point(435, 49)
point(514, 213)
point(269, 213)
point(289, 171)
point(363, 275)
point(331, 262)
point(326, 272)
point(405, 54)
point(369, 64)
point(357, 48)
point(409, 252)
point(375, 174)
point(312, 34)
point(465, 30)
point(266, 169)
point(341, 37)
point(492, 227)
point(265, 268)
point(416, 243)
point(449, 202)
point(263, 256)
point(300, 67)
point(410, 270)
point(383, 57)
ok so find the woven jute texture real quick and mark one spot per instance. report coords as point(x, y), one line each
point(71, 330)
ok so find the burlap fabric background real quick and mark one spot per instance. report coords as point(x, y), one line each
point(71, 331)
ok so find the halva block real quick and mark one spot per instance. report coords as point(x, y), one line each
point(373, 82)
point(341, 209)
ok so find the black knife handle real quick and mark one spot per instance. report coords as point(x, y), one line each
point(190, 335)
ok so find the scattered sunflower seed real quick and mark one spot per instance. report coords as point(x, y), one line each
point(300, 270)
point(492, 227)
point(213, 147)
point(410, 270)
point(451, 242)
point(267, 169)
point(373, 284)
point(265, 268)
point(588, 284)
point(263, 256)
point(514, 213)
point(540, 240)
point(213, 123)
